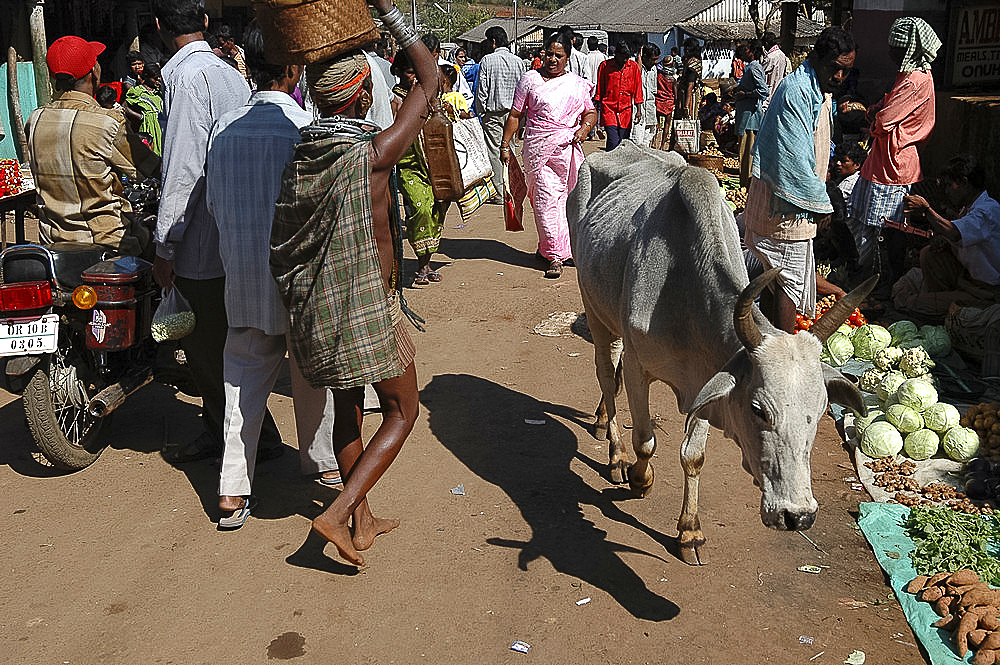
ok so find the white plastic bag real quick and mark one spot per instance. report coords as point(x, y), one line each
point(686, 135)
point(470, 146)
point(173, 319)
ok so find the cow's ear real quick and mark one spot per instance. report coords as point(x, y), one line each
point(841, 390)
point(718, 387)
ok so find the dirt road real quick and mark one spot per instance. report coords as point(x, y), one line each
point(121, 563)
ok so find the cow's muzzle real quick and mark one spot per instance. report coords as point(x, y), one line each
point(789, 520)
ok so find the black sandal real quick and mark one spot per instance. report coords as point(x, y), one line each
point(555, 269)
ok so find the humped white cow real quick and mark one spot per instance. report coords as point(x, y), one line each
point(660, 268)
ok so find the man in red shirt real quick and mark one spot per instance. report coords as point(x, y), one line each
point(619, 88)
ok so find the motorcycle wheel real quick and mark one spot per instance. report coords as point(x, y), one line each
point(55, 403)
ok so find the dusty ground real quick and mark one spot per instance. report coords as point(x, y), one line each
point(121, 563)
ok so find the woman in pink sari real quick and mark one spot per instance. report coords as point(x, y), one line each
point(560, 112)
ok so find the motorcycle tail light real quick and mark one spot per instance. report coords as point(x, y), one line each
point(25, 295)
point(84, 297)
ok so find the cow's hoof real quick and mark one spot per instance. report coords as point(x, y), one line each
point(600, 431)
point(643, 485)
point(690, 542)
point(691, 555)
point(618, 471)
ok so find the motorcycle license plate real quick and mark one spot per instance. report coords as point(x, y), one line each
point(33, 334)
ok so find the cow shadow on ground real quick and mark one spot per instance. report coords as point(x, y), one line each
point(485, 248)
point(532, 465)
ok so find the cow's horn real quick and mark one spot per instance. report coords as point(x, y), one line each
point(842, 309)
point(746, 327)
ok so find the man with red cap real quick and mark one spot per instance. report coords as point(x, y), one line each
point(79, 152)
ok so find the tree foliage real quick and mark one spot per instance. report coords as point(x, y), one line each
point(463, 18)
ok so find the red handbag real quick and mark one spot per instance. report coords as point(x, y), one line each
point(514, 191)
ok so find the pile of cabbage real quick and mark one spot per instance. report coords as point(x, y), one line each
point(885, 347)
point(904, 414)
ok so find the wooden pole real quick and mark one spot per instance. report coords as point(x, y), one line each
point(36, 23)
point(15, 101)
point(789, 21)
point(513, 38)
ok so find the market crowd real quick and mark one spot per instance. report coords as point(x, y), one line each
point(298, 249)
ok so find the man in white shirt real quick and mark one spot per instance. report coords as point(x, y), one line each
point(645, 113)
point(594, 59)
point(577, 59)
point(381, 111)
point(776, 64)
point(595, 56)
point(962, 263)
point(199, 87)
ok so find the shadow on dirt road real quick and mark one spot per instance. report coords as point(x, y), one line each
point(483, 425)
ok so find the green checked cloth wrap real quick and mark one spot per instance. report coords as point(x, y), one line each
point(325, 261)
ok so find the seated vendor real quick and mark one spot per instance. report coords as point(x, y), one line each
point(79, 152)
point(962, 263)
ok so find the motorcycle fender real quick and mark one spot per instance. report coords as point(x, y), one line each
point(20, 365)
point(15, 372)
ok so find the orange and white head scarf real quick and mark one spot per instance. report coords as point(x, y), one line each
point(335, 84)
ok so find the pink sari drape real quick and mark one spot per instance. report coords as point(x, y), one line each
point(551, 160)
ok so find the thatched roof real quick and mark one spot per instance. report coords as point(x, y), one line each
point(625, 15)
point(726, 30)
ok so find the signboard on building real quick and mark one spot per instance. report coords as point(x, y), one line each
point(975, 44)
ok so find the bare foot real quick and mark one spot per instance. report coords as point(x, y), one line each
point(364, 535)
point(340, 536)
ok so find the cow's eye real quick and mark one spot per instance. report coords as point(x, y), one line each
point(759, 411)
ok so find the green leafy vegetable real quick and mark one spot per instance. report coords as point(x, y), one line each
point(947, 540)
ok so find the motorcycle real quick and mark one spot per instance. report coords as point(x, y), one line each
point(75, 338)
point(74, 342)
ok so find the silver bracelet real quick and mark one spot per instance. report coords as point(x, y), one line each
point(396, 24)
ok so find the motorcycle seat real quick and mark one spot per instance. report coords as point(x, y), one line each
point(72, 258)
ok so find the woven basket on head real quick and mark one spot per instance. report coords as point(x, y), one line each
point(305, 31)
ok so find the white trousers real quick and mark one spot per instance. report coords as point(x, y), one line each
point(252, 361)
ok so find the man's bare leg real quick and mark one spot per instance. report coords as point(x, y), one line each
point(786, 311)
point(362, 467)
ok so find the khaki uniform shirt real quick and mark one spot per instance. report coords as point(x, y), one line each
point(78, 151)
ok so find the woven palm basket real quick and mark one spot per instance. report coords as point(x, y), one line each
point(300, 32)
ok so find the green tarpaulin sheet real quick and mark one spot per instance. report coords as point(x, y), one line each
point(882, 524)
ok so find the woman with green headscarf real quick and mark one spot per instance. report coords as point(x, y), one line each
point(900, 124)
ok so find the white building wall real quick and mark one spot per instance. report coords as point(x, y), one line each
point(732, 10)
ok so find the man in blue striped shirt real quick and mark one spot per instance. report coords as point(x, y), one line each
point(247, 152)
